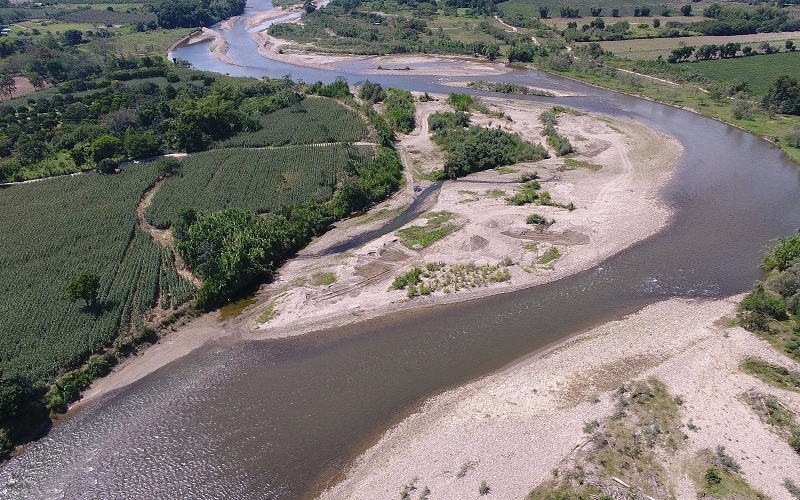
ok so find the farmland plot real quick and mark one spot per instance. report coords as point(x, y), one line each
point(53, 231)
point(257, 180)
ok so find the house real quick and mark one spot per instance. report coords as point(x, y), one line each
point(5, 31)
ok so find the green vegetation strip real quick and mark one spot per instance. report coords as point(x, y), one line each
point(449, 278)
point(776, 414)
point(775, 375)
point(771, 308)
point(424, 236)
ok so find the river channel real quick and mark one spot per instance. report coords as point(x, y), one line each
point(278, 419)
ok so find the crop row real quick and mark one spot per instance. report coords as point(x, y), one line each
point(311, 121)
point(255, 180)
point(53, 231)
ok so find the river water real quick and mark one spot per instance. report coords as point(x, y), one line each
point(278, 419)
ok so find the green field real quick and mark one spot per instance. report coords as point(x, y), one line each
point(757, 71)
point(312, 121)
point(255, 180)
point(56, 229)
point(651, 48)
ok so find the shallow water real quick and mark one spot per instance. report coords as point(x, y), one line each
point(276, 419)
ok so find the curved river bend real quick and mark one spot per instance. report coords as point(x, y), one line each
point(276, 419)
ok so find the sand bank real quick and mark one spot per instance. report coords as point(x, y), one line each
point(513, 428)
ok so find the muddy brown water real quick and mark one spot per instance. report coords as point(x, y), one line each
point(279, 419)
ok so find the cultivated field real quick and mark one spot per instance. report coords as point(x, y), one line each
point(57, 229)
point(256, 180)
point(757, 71)
point(651, 48)
point(312, 121)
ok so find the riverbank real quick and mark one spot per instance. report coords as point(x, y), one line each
point(512, 429)
point(613, 181)
point(278, 49)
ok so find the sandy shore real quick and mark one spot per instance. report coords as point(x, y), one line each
point(513, 428)
point(303, 55)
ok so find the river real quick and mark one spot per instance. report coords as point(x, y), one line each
point(278, 419)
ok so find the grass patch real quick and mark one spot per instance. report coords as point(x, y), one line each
point(506, 170)
point(416, 237)
point(721, 482)
point(495, 193)
point(552, 253)
point(383, 213)
point(268, 313)
point(236, 307)
point(774, 375)
point(573, 163)
point(324, 279)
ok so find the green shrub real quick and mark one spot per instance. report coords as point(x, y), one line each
point(538, 220)
point(460, 102)
point(783, 253)
point(712, 476)
point(758, 307)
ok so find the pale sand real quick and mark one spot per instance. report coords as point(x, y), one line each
point(616, 207)
point(419, 64)
point(515, 427)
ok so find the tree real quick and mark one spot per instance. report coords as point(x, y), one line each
point(106, 166)
point(783, 95)
point(36, 80)
point(789, 46)
point(105, 146)
point(7, 86)
point(372, 92)
point(686, 10)
point(614, 12)
point(72, 37)
point(86, 287)
point(140, 145)
point(544, 12)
